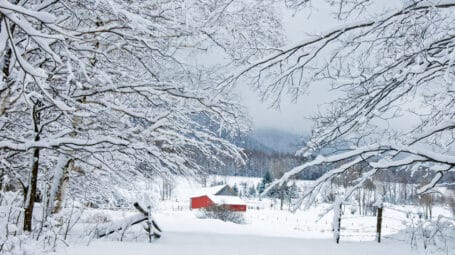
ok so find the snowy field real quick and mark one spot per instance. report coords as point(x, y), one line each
point(174, 243)
point(267, 230)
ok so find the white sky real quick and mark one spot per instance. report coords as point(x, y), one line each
point(292, 116)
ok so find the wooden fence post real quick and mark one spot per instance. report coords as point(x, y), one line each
point(336, 223)
point(149, 223)
point(379, 223)
point(339, 223)
point(152, 228)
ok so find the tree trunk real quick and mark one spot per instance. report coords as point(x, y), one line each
point(62, 184)
point(6, 91)
point(1, 178)
point(31, 189)
point(281, 200)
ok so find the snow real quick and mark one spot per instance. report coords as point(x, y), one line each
point(6, 7)
point(107, 227)
point(226, 200)
point(58, 174)
point(356, 155)
point(104, 60)
point(174, 243)
point(267, 230)
point(3, 37)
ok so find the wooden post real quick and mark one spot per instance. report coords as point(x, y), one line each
point(339, 224)
point(152, 228)
point(336, 223)
point(148, 216)
point(379, 223)
point(149, 223)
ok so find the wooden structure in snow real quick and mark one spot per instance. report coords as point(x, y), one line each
point(153, 230)
point(221, 195)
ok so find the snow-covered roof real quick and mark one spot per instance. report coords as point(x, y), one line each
point(226, 200)
point(208, 191)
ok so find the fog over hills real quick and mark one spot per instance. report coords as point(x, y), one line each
point(267, 150)
point(270, 140)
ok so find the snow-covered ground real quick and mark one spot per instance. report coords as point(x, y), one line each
point(267, 230)
point(175, 243)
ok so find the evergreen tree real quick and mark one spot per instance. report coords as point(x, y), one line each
point(252, 191)
point(267, 179)
point(293, 191)
point(235, 189)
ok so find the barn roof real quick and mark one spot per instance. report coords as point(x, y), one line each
point(209, 191)
point(226, 200)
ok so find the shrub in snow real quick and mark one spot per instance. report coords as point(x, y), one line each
point(98, 217)
point(12, 239)
point(434, 236)
point(222, 213)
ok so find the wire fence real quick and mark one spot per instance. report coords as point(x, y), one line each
point(397, 225)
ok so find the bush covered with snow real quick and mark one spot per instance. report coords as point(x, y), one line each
point(222, 213)
point(98, 217)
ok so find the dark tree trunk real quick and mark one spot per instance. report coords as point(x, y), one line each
point(6, 65)
point(1, 178)
point(31, 194)
point(28, 215)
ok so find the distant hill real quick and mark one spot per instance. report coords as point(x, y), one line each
point(267, 150)
point(267, 140)
point(270, 141)
point(278, 140)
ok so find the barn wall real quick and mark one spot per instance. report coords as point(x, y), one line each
point(200, 202)
point(237, 208)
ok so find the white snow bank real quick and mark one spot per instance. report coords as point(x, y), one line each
point(226, 200)
point(174, 243)
point(208, 191)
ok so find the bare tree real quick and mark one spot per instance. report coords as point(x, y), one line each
point(390, 66)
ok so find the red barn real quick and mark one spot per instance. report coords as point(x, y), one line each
point(222, 195)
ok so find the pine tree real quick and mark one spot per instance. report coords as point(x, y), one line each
point(252, 191)
point(235, 189)
point(267, 179)
point(293, 192)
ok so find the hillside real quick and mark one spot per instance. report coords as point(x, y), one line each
point(271, 141)
point(267, 150)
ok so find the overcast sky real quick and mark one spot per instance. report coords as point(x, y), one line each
point(293, 116)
